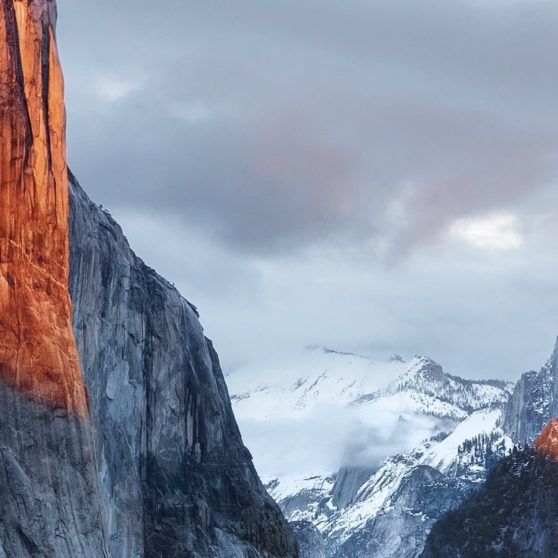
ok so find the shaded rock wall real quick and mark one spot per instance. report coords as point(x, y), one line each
point(176, 477)
point(534, 402)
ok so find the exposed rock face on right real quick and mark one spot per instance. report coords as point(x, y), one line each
point(310, 541)
point(175, 476)
point(514, 515)
point(547, 442)
point(534, 402)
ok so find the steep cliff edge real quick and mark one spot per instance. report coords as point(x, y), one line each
point(151, 463)
point(49, 505)
point(38, 353)
point(176, 477)
point(534, 402)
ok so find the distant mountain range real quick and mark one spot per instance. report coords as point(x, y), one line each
point(445, 432)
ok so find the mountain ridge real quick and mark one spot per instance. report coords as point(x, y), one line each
point(355, 506)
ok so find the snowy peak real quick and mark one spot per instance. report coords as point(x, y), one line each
point(372, 409)
point(405, 442)
point(314, 377)
point(547, 442)
point(425, 376)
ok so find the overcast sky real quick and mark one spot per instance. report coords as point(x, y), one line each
point(373, 176)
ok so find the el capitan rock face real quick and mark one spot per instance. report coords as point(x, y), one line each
point(49, 504)
point(153, 464)
point(38, 354)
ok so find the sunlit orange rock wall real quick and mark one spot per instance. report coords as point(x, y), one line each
point(38, 355)
point(547, 442)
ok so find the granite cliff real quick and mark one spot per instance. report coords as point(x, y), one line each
point(175, 476)
point(117, 437)
point(49, 504)
point(534, 402)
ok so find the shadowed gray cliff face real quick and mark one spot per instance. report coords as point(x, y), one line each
point(534, 402)
point(48, 491)
point(175, 477)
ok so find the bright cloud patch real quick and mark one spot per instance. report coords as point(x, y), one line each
point(494, 232)
point(111, 89)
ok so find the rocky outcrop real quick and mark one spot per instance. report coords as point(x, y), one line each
point(175, 476)
point(547, 442)
point(348, 482)
point(49, 504)
point(534, 402)
point(310, 541)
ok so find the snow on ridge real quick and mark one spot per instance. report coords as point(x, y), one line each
point(375, 496)
point(310, 378)
point(416, 421)
point(370, 409)
point(427, 377)
point(327, 376)
point(484, 422)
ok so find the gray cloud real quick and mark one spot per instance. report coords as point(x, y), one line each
point(276, 125)
point(263, 154)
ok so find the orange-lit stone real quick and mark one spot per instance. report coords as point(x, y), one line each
point(38, 354)
point(547, 442)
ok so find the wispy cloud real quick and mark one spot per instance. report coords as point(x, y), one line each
point(285, 151)
point(492, 232)
point(110, 88)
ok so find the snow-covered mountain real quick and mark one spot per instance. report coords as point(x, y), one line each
point(389, 512)
point(320, 376)
point(406, 443)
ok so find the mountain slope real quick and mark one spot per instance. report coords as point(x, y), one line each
point(393, 508)
point(443, 433)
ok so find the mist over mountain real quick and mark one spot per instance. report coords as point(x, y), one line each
point(341, 174)
point(377, 450)
point(369, 176)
